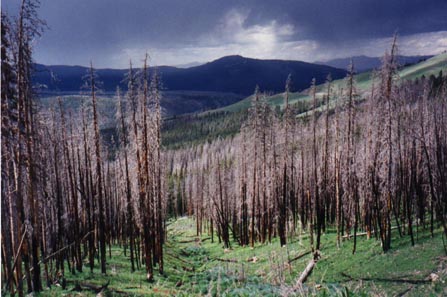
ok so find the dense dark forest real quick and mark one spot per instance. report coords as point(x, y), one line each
point(362, 164)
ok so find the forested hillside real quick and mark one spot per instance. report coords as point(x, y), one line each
point(328, 191)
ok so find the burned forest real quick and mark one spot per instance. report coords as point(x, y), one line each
point(348, 167)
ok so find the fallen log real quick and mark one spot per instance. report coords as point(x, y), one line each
point(95, 288)
point(98, 289)
point(16, 258)
point(178, 258)
point(299, 256)
point(310, 266)
point(404, 292)
point(64, 248)
point(308, 270)
point(57, 252)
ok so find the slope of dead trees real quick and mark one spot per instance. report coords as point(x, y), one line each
point(67, 197)
point(371, 164)
point(359, 163)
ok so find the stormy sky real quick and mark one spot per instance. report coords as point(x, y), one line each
point(176, 32)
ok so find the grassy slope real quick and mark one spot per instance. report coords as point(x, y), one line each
point(429, 67)
point(185, 252)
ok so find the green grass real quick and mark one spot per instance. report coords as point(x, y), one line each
point(429, 67)
point(192, 268)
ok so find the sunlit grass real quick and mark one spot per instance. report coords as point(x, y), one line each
point(196, 266)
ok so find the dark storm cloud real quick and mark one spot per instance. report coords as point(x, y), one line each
point(329, 20)
point(180, 31)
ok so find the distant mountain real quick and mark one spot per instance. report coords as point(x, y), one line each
point(231, 74)
point(364, 63)
point(70, 79)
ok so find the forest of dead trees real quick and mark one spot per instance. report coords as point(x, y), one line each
point(66, 196)
point(374, 163)
point(371, 164)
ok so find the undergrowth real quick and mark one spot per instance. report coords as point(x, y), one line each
point(196, 266)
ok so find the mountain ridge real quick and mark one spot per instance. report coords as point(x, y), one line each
point(235, 74)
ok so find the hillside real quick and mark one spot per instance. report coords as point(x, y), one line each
point(364, 63)
point(425, 68)
point(235, 177)
point(172, 103)
point(196, 267)
point(231, 74)
point(234, 114)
